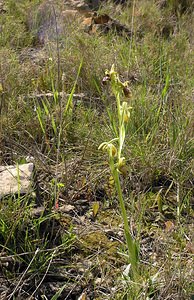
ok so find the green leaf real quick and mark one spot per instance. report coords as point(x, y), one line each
point(95, 208)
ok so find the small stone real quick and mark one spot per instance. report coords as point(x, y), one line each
point(16, 179)
point(66, 208)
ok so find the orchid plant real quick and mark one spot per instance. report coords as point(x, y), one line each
point(117, 162)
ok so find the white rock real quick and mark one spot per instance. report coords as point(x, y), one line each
point(16, 179)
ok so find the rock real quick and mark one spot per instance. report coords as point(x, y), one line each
point(66, 208)
point(77, 4)
point(15, 179)
point(105, 23)
point(48, 23)
point(92, 4)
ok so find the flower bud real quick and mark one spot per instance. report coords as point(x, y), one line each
point(126, 117)
point(127, 91)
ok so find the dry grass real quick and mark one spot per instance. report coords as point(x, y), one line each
point(79, 250)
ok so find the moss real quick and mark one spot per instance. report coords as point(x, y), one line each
point(98, 241)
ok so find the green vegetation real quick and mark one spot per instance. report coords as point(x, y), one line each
point(116, 160)
point(55, 108)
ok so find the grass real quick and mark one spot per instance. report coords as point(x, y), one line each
point(63, 251)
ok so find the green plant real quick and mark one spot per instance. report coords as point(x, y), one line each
point(117, 161)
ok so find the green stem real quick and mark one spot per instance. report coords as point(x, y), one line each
point(132, 249)
point(117, 87)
